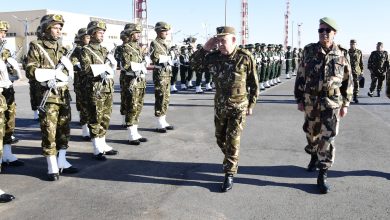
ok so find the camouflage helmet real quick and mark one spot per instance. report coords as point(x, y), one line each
point(49, 20)
point(162, 26)
point(95, 25)
point(132, 28)
point(81, 33)
point(4, 26)
point(39, 32)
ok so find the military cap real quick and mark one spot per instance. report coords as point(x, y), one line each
point(330, 22)
point(269, 45)
point(250, 46)
point(162, 26)
point(288, 47)
point(262, 45)
point(96, 25)
point(49, 20)
point(198, 46)
point(4, 26)
point(183, 48)
point(240, 46)
point(352, 41)
point(81, 32)
point(190, 46)
point(225, 30)
point(379, 43)
point(132, 28)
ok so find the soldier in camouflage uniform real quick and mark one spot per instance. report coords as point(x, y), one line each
point(43, 60)
point(99, 67)
point(117, 55)
point(236, 83)
point(79, 82)
point(199, 74)
point(175, 68)
point(288, 57)
point(323, 90)
point(10, 72)
point(162, 73)
point(184, 60)
point(378, 64)
point(134, 82)
point(356, 59)
point(295, 61)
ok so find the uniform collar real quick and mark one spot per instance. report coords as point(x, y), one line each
point(50, 44)
point(95, 46)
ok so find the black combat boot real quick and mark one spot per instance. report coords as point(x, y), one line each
point(53, 176)
point(355, 99)
point(321, 181)
point(313, 163)
point(227, 183)
point(6, 198)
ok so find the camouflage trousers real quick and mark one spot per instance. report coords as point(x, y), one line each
point(229, 124)
point(133, 100)
point(355, 84)
point(162, 92)
point(84, 111)
point(3, 106)
point(9, 114)
point(377, 77)
point(55, 128)
point(77, 90)
point(321, 128)
point(35, 96)
point(100, 109)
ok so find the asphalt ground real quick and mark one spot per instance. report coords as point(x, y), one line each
point(178, 175)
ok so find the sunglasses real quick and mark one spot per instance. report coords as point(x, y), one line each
point(321, 30)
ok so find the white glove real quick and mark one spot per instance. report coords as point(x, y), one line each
point(52, 84)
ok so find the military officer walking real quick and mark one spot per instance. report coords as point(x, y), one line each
point(323, 90)
point(378, 64)
point(134, 82)
point(99, 67)
point(236, 84)
point(356, 59)
point(48, 62)
point(162, 73)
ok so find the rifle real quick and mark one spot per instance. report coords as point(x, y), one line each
point(45, 75)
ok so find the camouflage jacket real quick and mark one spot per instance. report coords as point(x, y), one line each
point(132, 52)
point(356, 58)
point(37, 59)
point(234, 76)
point(88, 58)
point(159, 47)
point(324, 78)
point(378, 61)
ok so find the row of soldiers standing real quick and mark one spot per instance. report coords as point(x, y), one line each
point(270, 60)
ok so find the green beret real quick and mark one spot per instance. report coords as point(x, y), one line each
point(330, 22)
point(225, 30)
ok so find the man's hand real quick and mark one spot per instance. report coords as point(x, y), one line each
point(301, 107)
point(210, 44)
point(249, 111)
point(343, 111)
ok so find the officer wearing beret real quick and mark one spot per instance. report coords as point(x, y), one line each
point(356, 59)
point(162, 72)
point(323, 91)
point(236, 84)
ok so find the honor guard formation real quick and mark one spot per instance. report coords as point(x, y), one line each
point(328, 78)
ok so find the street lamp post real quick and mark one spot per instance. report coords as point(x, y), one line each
point(26, 24)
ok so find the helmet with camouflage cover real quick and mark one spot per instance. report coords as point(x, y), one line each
point(4, 26)
point(162, 26)
point(132, 28)
point(50, 20)
point(96, 25)
point(81, 33)
point(39, 32)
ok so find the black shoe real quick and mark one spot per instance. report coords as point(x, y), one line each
point(161, 130)
point(99, 157)
point(53, 176)
point(111, 152)
point(14, 140)
point(321, 181)
point(6, 198)
point(143, 139)
point(370, 94)
point(135, 142)
point(227, 183)
point(355, 99)
point(16, 163)
point(170, 127)
point(313, 163)
point(200, 92)
point(86, 138)
point(69, 170)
